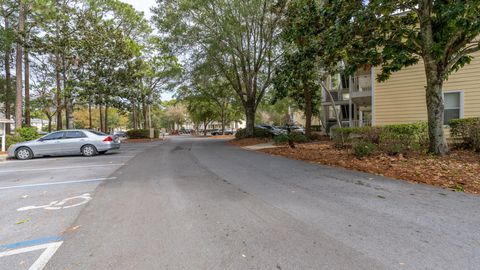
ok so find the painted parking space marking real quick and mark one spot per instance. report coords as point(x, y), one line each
point(41, 262)
point(60, 168)
point(59, 183)
point(46, 160)
point(63, 204)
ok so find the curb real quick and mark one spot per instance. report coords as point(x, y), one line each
point(3, 158)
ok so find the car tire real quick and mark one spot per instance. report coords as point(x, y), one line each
point(89, 150)
point(23, 153)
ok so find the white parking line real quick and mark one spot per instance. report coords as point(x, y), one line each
point(59, 183)
point(46, 160)
point(42, 261)
point(59, 168)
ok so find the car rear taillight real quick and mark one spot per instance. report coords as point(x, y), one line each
point(108, 139)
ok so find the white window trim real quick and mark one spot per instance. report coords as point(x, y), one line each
point(462, 104)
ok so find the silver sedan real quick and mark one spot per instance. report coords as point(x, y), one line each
point(65, 142)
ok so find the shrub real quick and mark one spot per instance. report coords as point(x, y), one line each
point(294, 137)
point(22, 135)
point(466, 130)
point(257, 133)
point(28, 133)
point(392, 139)
point(364, 148)
point(298, 137)
point(138, 134)
point(281, 139)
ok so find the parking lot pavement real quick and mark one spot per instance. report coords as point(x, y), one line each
point(41, 198)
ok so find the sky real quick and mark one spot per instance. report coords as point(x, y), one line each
point(144, 5)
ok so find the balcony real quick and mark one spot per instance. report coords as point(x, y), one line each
point(362, 86)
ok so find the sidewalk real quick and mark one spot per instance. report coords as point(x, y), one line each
point(3, 156)
point(261, 146)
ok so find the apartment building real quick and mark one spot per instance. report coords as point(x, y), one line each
point(362, 101)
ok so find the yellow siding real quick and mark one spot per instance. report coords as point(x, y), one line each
point(401, 99)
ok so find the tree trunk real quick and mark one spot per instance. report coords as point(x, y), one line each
point(90, 114)
point(250, 118)
point(144, 111)
point(205, 124)
point(19, 62)
point(100, 110)
point(58, 94)
point(435, 107)
point(50, 123)
point(8, 88)
point(68, 97)
point(223, 119)
point(134, 116)
point(308, 109)
point(106, 119)
point(27, 90)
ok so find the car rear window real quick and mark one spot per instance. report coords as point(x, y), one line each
point(75, 135)
point(98, 133)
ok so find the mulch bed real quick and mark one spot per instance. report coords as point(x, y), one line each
point(459, 171)
point(223, 137)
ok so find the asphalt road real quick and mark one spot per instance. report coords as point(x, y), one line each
point(202, 204)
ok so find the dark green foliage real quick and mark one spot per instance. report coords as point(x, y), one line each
point(28, 133)
point(294, 137)
point(364, 148)
point(391, 139)
point(138, 134)
point(467, 131)
point(257, 133)
point(22, 135)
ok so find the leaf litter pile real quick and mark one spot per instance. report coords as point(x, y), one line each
point(459, 171)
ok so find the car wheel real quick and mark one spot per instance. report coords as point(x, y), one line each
point(23, 153)
point(89, 150)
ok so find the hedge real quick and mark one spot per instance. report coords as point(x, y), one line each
point(138, 134)
point(391, 139)
point(257, 133)
point(294, 137)
point(22, 135)
point(467, 131)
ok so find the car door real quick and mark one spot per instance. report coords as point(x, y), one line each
point(49, 144)
point(73, 142)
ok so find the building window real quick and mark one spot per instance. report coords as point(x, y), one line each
point(453, 106)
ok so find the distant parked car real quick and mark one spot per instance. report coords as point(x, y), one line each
point(217, 132)
point(120, 134)
point(274, 130)
point(67, 142)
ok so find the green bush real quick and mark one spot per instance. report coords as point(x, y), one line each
point(298, 137)
point(364, 148)
point(22, 135)
point(28, 133)
point(294, 136)
point(257, 133)
point(391, 139)
point(466, 130)
point(138, 134)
